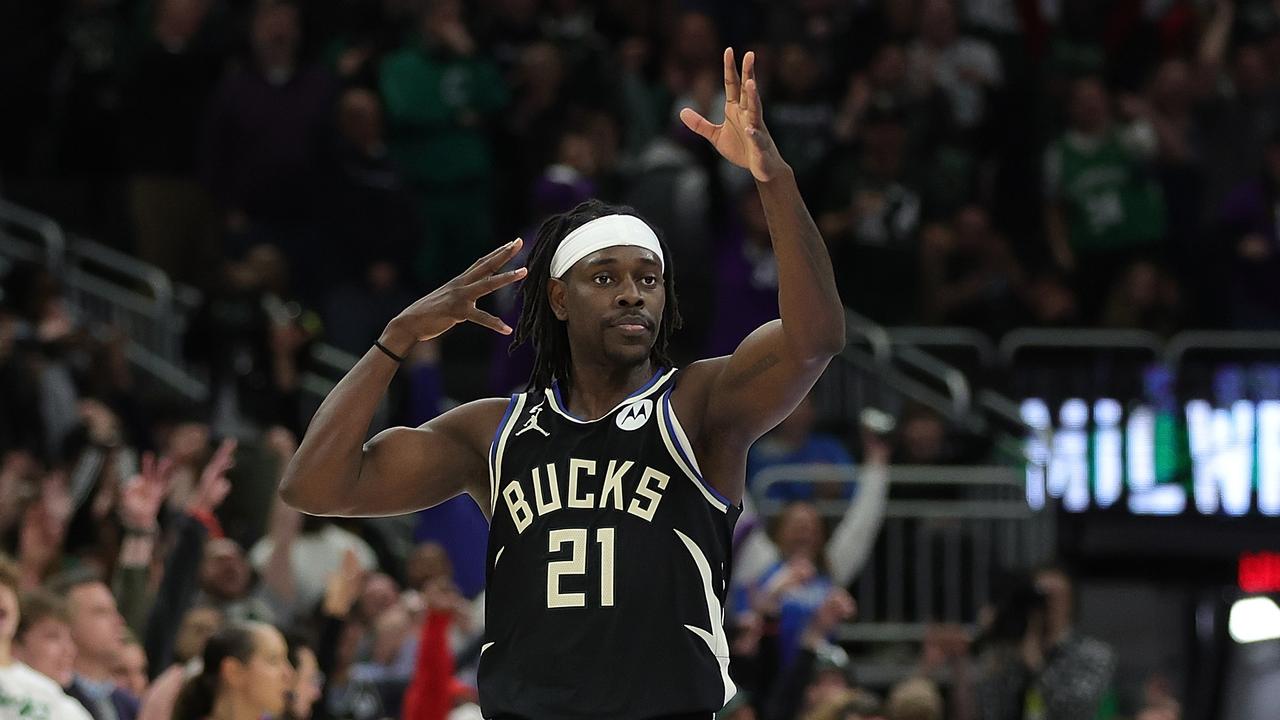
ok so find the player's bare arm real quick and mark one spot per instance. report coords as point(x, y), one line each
point(731, 401)
point(402, 469)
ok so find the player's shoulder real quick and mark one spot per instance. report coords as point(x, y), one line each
point(475, 420)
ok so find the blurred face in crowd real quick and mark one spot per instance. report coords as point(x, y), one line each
point(938, 22)
point(797, 70)
point(439, 16)
point(972, 229)
point(224, 573)
point(696, 42)
point(1171, 88)
point(360, 120)
point(389, 634)
point(277, 35)
point(1056, 587)
point(47, 647)
point(889, 67)
point(8, 613)
point(922, 439)
point(130, 671)
point(96, 625)
point(577, 152)
point(800, 532)
point(264, 682)
point(427, 562)
point(198, 625)
point(380, 592)
point(541, 71)
point(1090, 112)
point(188, 443)
point(1250, 71)
point(179, 20)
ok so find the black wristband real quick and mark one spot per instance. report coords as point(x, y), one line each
point(390, 354)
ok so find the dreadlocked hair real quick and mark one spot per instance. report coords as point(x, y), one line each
point(538, 323)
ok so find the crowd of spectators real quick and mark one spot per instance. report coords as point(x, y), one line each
point(312, 168)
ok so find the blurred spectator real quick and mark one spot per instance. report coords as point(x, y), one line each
point(870, 221)
point(130, 670)
point(93, 38)
point(245, 675)
point(252, 335)
point(800, 114)
point(922, 439)
point(1103, 210)
point(794, 442)
point(1250, 247)
point(314, 553)
point(98, 631)
point(27, 691)
point(746, 278)
point(969, 275)
point(1243, 110)
point(1036, 662)
point(964, 68)
point(369, 213)
point(1144, 297)
point(165, 98)
point(440, 95)
point(43, 637)
point(265, 141)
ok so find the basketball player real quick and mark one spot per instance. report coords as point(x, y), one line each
point(612, 484)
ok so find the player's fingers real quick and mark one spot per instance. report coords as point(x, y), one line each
point(699, 124)
point(491, 262)
point(731, 80)
point(749, 66)
point(486, 285)
point(752, 103)
point(483, 318)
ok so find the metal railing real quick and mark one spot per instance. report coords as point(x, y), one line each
point(935, 560)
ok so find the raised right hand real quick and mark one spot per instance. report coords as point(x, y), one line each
point(455, 302)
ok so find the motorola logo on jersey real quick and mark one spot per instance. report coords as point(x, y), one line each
point(635, 415)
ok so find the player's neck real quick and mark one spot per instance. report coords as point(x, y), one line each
point(596, 389)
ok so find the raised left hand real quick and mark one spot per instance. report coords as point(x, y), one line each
point(742, 138)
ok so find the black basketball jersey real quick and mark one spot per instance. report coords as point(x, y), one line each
point(607, 565)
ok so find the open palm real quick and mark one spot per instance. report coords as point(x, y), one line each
point(742, 138)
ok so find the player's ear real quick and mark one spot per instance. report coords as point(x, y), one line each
point(556, 290)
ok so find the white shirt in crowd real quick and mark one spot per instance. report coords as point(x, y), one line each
point(313, 557)
point(26, 694)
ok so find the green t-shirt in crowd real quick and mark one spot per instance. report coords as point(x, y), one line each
point(1110, 204)
point(436, 103)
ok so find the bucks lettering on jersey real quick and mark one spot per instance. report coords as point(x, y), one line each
point(607, 565)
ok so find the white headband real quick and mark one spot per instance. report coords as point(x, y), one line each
point(603, 232)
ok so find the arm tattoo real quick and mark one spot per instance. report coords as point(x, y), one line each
point(756, 370)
